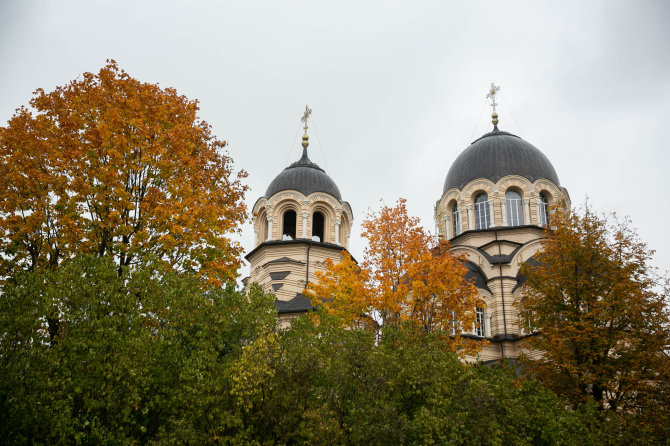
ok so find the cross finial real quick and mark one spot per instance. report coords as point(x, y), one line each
point(305, 117)
point(305, 138)
point(492, 95)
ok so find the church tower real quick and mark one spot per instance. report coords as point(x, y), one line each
point(299, 223)
point(494, 207)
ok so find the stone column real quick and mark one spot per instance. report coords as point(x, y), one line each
point(337, 232)
point(348, 235)
point(487, 323)
point(304, 224)
point(526, 211)
point(503, 209)
point(493, 214)
point(471, 217)
point(269, 228)
point(256, 241)
point(447, 227)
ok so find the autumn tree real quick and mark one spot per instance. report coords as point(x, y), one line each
point(111, 166)
point(601, 316)
point(404, 276)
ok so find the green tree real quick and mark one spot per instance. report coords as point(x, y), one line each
point(602, 320)
point(331, 385)
point(139, 358)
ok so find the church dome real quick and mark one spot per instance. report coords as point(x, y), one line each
point(304, 176)
point(498, 154)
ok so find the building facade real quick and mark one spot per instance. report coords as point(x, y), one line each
point(496, 201)
point(299, 223)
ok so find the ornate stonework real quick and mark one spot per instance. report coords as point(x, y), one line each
point(297, 227)
point(497, 251)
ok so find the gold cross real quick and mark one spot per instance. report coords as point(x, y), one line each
point(492, 95)
point(305, 117)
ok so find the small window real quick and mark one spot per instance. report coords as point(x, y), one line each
point(456, 220)
point(289, 225)
point(318, 221)
point(525, 327)
point(544, 209)
point(482, 212)
point(514, 210)
point(479, 322)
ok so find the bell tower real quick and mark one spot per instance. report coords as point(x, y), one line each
point(497, 200)
point(299, 223)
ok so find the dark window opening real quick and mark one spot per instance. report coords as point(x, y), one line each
point(288, 225)
point(318, 226)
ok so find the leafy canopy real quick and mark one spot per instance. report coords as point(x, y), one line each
point(405, 276)
point(147, 358)
point(601, 317)
point(139, 358)
point(109, 165)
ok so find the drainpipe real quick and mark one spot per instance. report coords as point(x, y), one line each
point(502, 295)
point(309, 246)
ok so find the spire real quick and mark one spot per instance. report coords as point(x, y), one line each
point(492, 95)
point(305, 138)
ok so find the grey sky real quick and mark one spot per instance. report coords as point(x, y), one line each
point(397, 88)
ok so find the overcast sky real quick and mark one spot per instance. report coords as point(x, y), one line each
point(397, 88)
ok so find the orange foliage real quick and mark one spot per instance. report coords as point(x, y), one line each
point(108, 165)
point(601, 316)
point(404, 276)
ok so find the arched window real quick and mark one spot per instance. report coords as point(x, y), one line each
point(482, 212)
point(263, 230)
point(318, 221)
point(544, 209)
point(288, 225)
point(456, 219)
point(514, 209)
point(480, 328)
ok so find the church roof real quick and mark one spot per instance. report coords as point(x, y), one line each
point(299, 304)
point(498, 154)
point(304, 176)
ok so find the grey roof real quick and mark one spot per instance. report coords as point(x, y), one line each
point(476, 273)
point(305, 177)
point(299, 304)
point(520, 278)
point(495, 155)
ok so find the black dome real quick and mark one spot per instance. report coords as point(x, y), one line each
point(305, 177)
point(496, 155)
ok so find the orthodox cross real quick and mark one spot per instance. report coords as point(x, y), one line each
point(305, 117)
point(492, 96)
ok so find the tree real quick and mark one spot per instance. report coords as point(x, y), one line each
point(601, 316)
point(404, 276)
point(327, 384)
point(149, 358)
point(110, 166)
point(143, 358)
